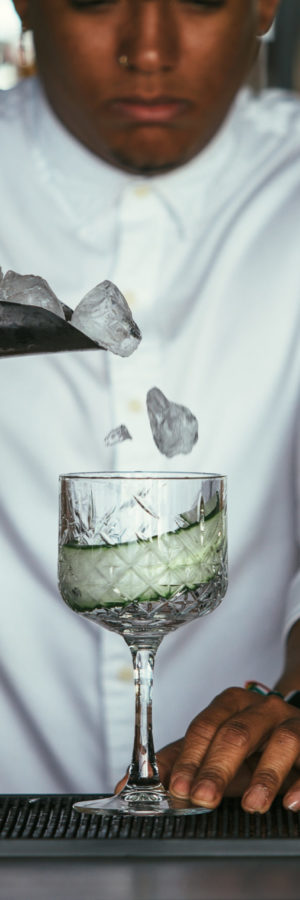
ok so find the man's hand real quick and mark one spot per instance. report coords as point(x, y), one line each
point(242, 744)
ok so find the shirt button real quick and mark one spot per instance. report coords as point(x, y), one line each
point(142, 190)
point(135, 405)
point(125, 673)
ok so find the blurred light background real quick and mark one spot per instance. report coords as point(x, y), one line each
point(278, 65)
point(14, 61)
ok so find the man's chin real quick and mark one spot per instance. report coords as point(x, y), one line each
point(146, 164)
point(148, 169)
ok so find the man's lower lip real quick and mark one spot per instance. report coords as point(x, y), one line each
point(145, 112)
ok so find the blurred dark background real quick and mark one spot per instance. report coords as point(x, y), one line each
point(284, 49)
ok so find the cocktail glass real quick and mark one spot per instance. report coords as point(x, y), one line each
point(141, 554)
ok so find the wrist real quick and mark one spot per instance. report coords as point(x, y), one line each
point(293, 697)
point(289, 681)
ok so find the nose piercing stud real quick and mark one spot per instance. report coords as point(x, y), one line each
point(123, 60)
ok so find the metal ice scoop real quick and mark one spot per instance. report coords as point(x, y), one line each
point(31, 329)
point(34, 320)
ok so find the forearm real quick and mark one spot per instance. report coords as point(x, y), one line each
point(290, 677)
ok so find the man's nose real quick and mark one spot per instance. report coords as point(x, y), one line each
point(150, 40)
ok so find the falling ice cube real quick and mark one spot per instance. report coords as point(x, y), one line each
point(117, 436)
point(30, 290)
point(104, 316)
point(174, 428)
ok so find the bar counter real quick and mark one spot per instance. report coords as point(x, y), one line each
point(48, 852)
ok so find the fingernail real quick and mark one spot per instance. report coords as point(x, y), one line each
point(292, 801)
point(180, 786)
point(205, 792)
point(257, 799)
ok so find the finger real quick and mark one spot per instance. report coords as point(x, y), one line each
point(166, 758)
point(236, 739)
point(291, 799)
point(275, 764)
point(241, 781)
point(120, 784)
point(201, 733)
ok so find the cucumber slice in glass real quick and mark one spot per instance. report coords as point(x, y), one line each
point(167, 564)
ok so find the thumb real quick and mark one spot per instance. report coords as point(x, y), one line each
point(121, 783)
point(166, 758)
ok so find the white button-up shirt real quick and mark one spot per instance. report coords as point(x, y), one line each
point(208, 258)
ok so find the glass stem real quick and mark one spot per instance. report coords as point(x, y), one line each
point(143, 771)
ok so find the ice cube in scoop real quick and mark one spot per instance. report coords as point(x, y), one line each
point(104, 316)
point(117, 436)
point(174, 427)
point(30, 290)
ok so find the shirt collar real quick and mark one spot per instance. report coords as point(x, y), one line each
point(185, 189)
point(87, 187)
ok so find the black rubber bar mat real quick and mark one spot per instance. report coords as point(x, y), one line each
point(48, 826)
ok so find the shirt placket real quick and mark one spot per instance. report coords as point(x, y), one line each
point(136, 272)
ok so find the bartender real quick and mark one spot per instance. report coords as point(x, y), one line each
point(135, 155)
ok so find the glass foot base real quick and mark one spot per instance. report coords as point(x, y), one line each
point(139, 802)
